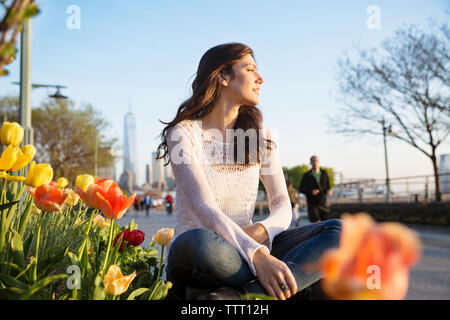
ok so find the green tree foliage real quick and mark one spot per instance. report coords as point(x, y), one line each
point(296, 173)
point(65, 136)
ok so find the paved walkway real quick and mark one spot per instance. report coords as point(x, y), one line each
point(429, 279)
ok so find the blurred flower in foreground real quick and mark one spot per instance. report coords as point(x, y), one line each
point(372, 261)
point(164, 236)
point(115, 282)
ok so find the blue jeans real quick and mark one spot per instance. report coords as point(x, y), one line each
point(201, 258)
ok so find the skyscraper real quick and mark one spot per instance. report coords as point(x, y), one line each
point(129, 145)
point(444, 170)
point(157, 168)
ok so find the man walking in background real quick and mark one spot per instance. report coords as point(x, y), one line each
point(315, 185)
point(147, 203)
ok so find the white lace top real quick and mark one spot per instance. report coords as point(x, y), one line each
point(214, 193)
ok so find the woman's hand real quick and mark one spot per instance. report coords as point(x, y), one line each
point(271, 272)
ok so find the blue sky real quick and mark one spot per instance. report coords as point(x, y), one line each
point(149, 50)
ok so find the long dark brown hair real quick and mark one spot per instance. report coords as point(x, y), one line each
point(205, 92)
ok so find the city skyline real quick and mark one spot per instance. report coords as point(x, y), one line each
point(155, 57)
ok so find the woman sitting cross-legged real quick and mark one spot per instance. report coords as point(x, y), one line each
point(219, 150)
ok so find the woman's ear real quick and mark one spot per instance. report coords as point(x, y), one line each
point(223, 79)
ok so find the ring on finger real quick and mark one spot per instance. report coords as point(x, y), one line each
point(282, 286)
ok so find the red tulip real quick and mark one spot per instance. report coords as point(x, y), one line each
point(48, 198)
point(133, 238)
point(107, 196)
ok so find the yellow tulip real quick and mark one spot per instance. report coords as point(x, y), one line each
point(62, 183)
point(84, 181)
point(3, 174)
point(164, 236)
point(24, 157)
point(9, 157)
point(39, 174)
point(115, 282)
point(11, 133)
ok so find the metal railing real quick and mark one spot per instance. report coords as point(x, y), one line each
point(403, 189)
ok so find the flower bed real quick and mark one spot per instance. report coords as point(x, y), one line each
point(58, 242)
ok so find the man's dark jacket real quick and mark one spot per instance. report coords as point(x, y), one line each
point(309, 183)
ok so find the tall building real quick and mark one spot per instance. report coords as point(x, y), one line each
point(169, 177)
point(157, 169)
point(129, 146)
point(147, 174)
point(444, 171)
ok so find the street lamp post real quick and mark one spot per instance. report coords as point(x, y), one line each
point(388, 187)
point(25, 83)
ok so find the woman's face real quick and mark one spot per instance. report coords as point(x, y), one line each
point(244, 87)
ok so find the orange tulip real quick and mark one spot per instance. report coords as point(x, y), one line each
point(48, 198)
point(372, 261)
point(107, 196)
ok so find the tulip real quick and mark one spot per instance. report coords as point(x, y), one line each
point(164, 236)
point(11, 133)
point(72, 198)
point(115, 282)
point(62, 183)
point(372, 261)
point(24, 157)
point(133, 238)
point(101, 222)
point(39, 174)
point(84, 181)
point(109, 198)
point(136, 237)
point(48, 198)
point(9, 157)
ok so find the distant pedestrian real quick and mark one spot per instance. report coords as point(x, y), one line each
point(147, 203)
point(315, 184)
point(136, 204)
point(294, 198)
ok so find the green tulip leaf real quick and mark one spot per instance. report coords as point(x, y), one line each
point(8, 205)
point(137, 293)
point(17, 248)
point(9, 281)
point(38, 286)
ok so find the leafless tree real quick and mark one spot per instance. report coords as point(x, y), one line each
point(405, 81)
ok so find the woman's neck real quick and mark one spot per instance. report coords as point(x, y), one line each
point(222, 117)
